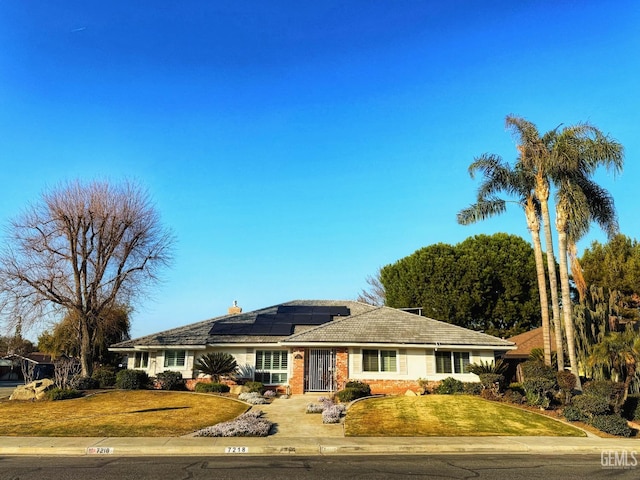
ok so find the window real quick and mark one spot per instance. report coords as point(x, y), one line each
point(141, 360)
point(461, 362)
point(452, 362)
point(271, 366)
point(379, 361)
point(174, 358)
point(443, 362)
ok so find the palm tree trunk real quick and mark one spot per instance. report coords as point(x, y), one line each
point(534, 228)
point(551, 266)
point(566, 301)
point(631, 373)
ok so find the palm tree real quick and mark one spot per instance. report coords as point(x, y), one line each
point(576, 152)
point(217, 364)
point(500, 177)
point(619, 352)
point(536, 159)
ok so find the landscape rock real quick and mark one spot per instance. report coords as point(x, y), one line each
point(238, 389)
point(410, 393)
point(32, 391)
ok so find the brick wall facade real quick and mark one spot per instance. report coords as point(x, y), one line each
point(392, 387)
point(342, 367)
point(296, 382)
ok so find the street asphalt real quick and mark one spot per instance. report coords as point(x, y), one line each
point(299, 433)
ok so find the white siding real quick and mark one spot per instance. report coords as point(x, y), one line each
point(414, 364)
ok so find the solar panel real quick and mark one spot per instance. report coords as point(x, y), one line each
point(274, 318)
point(313, 319)
point(341, 311)
point(281, 329)
point(295, 309)
point(260, 329)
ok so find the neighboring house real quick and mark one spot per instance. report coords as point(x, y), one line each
point(8, 370)
point(40, 365)
point(525, 343)
point(317, 345)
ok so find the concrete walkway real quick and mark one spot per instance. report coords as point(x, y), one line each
point(291, 419)
point(299, 433)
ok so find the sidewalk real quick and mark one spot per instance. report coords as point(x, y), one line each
point(299, 433)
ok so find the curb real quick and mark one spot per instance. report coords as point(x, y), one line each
point(175, 446)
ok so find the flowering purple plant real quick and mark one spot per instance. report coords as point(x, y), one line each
point(249, 424)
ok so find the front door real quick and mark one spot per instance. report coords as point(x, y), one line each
point(319, 370)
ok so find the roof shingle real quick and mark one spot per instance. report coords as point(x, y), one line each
point(364, 324)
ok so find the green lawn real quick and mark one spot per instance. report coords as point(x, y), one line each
point(120, 413)
point(447, 416)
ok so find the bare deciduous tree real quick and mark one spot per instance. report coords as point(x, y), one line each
point(66, 370)
point(28, 370)
point(375, 294)
point(83, 249)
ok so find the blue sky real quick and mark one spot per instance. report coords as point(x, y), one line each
point(296, 147)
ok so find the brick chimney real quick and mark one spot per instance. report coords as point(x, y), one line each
point(235, 308)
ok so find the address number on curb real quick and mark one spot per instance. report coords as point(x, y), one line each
point(100, 450)
point(236, 450)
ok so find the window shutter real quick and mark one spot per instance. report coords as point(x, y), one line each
point(357, 360)
point(402, 361)
point(430, 362)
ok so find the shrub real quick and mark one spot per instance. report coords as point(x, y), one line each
point(566, 383)
point(249, 424)
point(324, 404)
point(513, 396)
point(84, 383)
point(169, 380)
point(269, 394)
point(573, 414)
point(255, 387)
point(204, 387)
point(105, 376)
point(590, 404)
point(613, 424)
point(517, 387)
point(612, 391)
point(537, 390)
point(62, 394)
point(352, 391)
point(472, 388)
point(364, 387)
point(489, 394)
point(631, 408)
point(132, 379)
point(254, 398)
point(315, 407)
point(492, 381)
point(534, 369)
point(449, 386)
point(425, 386)
point(332, 414)
point(349, 395)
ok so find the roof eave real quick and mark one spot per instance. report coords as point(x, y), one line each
point(472, 346)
